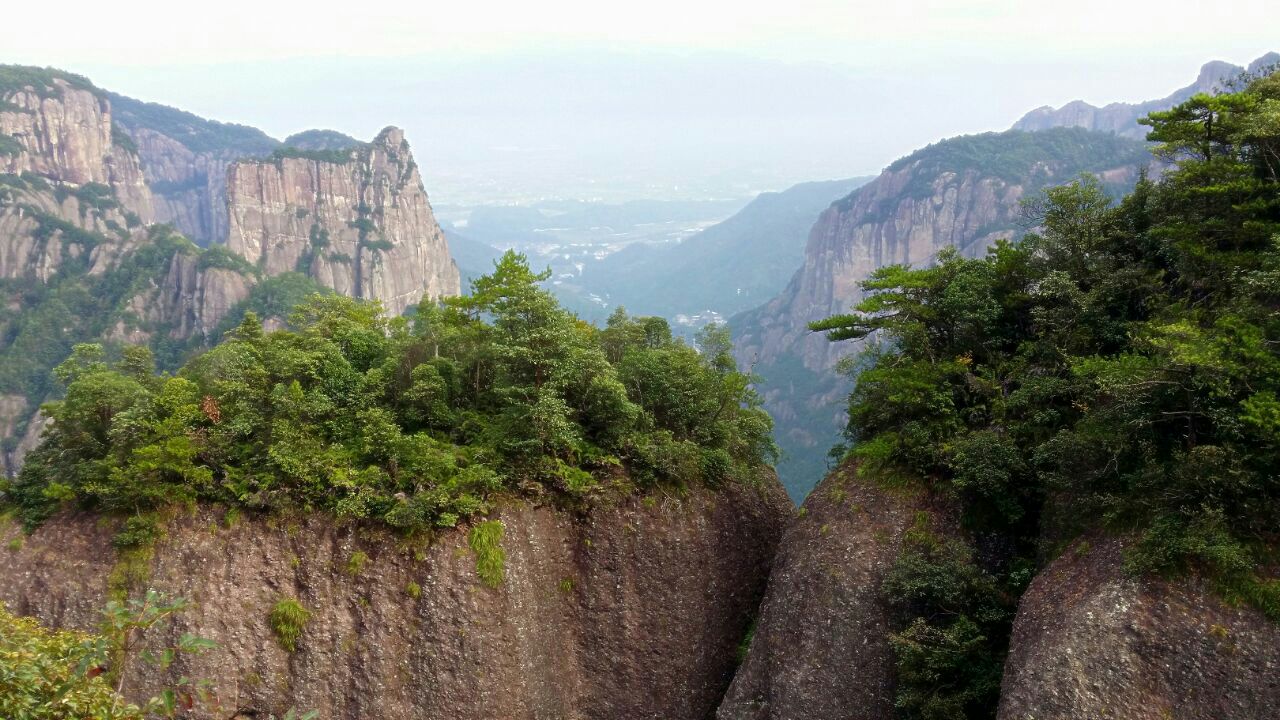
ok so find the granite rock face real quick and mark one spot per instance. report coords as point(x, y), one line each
point(631, 610)
point(821, 646)
point(360, 224)
point(65, 135)
point(1090, 641)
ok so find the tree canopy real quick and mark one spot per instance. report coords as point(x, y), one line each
point(1117, 370)
point(413, 422)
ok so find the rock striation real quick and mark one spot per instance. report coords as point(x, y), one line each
point(821, 645)
point(630, 610)
point(357, 221)
point(1091, 641)
point(61, 129)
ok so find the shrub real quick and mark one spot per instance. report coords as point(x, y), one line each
point(288, 617)
point(485, 540)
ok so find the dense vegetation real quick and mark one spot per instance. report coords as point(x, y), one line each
point(337, 156)
point(1029, 158)
point(196, 133)
point(415, 424)
point(321, 140)
point(1118, 370)
point(41, 80)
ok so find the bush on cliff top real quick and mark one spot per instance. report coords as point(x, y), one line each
point(1118, 369)
point(413, 423)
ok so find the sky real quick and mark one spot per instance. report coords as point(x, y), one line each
point(516, 101)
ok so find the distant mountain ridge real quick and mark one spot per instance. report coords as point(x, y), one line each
point(1122, 118)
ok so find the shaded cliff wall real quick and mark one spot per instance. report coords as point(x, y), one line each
point(634, 610)
point(1090, 641)
point(821, 646)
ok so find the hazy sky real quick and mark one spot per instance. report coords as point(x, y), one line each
point(513, 100)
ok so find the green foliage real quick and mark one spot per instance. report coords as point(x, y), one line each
point(288, 618)
point(953, 619)
point(1015, 156)
point(194, 132)
point(50, 675)
point(415, 425)
point(218, 256)
point(123, 140)
point(413, 590)
point(9, 146)
point(1120, 369)
point(355, 563)
point(14, 78)
point(485, 540)
point(321, 140)
point(338, 156)
point(65, 675)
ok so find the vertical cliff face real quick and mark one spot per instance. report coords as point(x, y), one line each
point(1091, 641)
point(357, 221)
point(633, 610)
point(190, 188)
point(61, 129)
point(821, 646)
point(962, 193)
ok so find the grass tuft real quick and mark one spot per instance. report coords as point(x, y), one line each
point(485, 540)
point(287, 619)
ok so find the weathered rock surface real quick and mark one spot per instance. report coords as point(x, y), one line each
point(362, 227)
point(628, 611)
point(1122, 118)
point(1090, 641)
point(65, 135)
point(190, 188)
point(821, 646)
point(189, 302)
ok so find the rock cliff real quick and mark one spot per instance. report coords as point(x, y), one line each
point(59, 127)
point(1122, 118)
point(185, 159)
point(1090, 641)
point(357, 221)
point(631, 610)
point(821, 645)
point(961, 193)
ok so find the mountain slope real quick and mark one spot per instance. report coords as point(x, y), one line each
point(726, 268)
point(962, 193)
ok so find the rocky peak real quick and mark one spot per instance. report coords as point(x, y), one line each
point(1266, 62)
point(60, 128)
point(355, 220)
point(1122, 118)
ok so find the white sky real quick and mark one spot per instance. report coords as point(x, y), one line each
point(857, 83)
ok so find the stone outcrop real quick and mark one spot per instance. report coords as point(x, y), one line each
point(633, 609)
point(1122, 118)
point(1091, 641)
point(359, 223)
point(190, 301)
point(821, 645)
point(64, 132)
